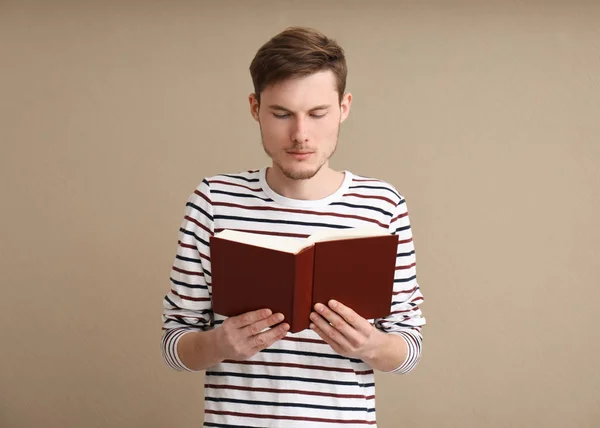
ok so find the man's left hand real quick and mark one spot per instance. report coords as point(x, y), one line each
point(345, 331)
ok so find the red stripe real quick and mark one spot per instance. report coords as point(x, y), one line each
point(235, 184)
point(193, 247)
point(412, 339)
point(292, 418)
point(412, 290)
point(366, 180)
point(402, 311)
point(399, 216)
point(301, 339)
point(202, 195)
point(383, 198)
point(173, 332)
point(197, 223)
point(182, 317)
point(190, 246)
point(297, 366)
point(288, 391)
point(296, 211)
point(405, 241)
point(188, 272)
point(406, 267)
point(195, 299)
point(264, 232)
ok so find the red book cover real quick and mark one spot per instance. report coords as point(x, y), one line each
point(358, 273)
point(287, 275)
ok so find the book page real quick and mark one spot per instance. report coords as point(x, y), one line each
point(351, 233)
point(273, 242)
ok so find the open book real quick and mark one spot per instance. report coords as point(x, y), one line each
point(289, 275)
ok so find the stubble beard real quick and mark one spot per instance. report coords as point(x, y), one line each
point(300, 174)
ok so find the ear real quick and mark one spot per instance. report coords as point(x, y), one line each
point(254, 106)
point(345, 106)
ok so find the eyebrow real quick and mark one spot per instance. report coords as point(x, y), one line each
point(278, 107)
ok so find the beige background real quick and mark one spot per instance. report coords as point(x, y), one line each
point(487, 118)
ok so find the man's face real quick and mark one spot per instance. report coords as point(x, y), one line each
point(299, 122)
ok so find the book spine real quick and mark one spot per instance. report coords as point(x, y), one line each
point(303, 288)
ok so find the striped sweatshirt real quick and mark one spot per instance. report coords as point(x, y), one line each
point(299, 381)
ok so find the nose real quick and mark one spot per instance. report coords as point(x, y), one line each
point(300, 131)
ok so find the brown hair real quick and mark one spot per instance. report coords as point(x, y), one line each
point(297, 52)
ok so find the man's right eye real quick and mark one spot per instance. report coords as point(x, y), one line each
point(281, 116)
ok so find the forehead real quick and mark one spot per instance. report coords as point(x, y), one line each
point(300, 93)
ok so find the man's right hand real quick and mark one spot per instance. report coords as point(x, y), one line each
point(242, 336)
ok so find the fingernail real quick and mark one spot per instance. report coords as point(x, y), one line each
point(313, 316)
point(332, 303)
point(279, 317)
point(319, 307)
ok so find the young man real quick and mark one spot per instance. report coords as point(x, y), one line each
point(262, 376)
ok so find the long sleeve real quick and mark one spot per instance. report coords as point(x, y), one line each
point(187, 305)
point(405, 318)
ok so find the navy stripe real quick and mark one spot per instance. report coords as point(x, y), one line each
point(188, 259)
point(185, 284)
point(405, 279)
point(405, 254)
point(402, 229)
point(170, 302)
point(197, 208)
point(184, 322)
point(240, 195)
point(264, 220)
point(400, 303)
point(365, 207)
point(310, 354)
point(272, 403)
point(401, 324)
point(203, 311)
point(376, 187)
point(289, 378)
point(187, 232)
point(249, 180)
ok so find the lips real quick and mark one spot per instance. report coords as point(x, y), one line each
point(300, 155)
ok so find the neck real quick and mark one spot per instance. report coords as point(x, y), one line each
point(321, 185)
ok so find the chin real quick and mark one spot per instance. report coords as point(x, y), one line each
point(298, 172)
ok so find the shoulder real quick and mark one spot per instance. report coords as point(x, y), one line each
point(375, 186)
point(248, 176)
point(228, 180)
